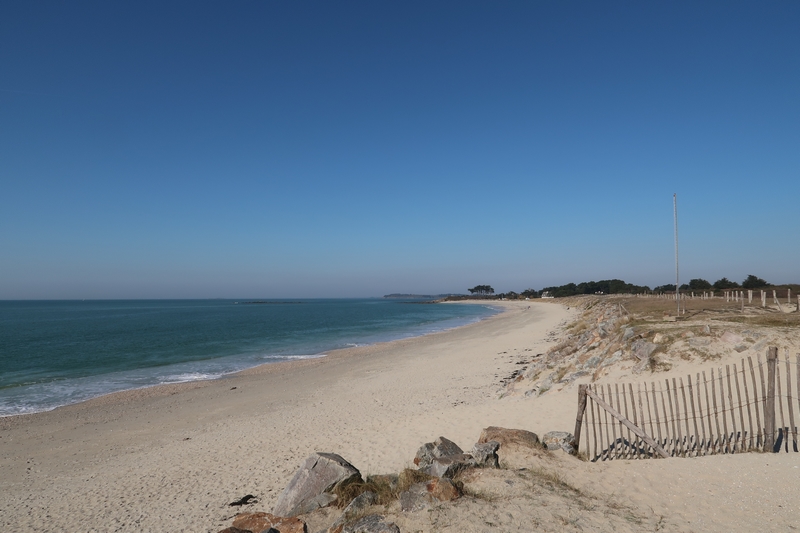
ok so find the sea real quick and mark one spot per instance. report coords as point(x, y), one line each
point(55, 353)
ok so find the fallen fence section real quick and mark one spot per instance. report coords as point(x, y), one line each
point(732, 411)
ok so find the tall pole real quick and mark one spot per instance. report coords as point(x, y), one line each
point(677, 278)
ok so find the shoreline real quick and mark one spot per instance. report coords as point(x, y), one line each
point(174, 456)
point(172, 388)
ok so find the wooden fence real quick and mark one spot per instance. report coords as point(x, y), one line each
point(745, 407)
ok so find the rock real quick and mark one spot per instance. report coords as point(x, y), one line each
point(485, 453)
point(429, 451)
point(506, 437)
point(309, 488)
point(262, 522)
point(592, 362)
point(371, 524)
point(449, 466)
point(236, 530)
point(731, 338)
point(559, 440)
point(359, 503)
point(687, 335)
point(415, 498)
point(443, 489)
point(628, 334)
point(706, 330)
point(658, 338)
point(643, 349)
point(740, 347)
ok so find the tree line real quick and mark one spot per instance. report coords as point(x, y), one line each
point(618, 286)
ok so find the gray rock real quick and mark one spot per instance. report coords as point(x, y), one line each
point(628, 334)
point(310, 485)
point(485, 453)
point(359, 503)
point(371, 524)
point(643, 349)
point(740, 347)
point(441, 447)
point(449, 466)
point(415, 498)
point(510, 437)
point(559, 440)
point(707, 330)
point(592, 362)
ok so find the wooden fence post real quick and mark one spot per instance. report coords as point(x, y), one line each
point(579, 416)
point(769, 406)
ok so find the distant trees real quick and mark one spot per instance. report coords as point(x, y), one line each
point(725, 283)
point(481, 289)
point(529, 293)
point(752, 282)
point(606, 286)
point(699, 284)
point(665, 288)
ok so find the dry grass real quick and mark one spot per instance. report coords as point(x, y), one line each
point(385, 490)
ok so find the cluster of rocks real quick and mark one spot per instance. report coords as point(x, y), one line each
point(601, 342)
point(324, 475)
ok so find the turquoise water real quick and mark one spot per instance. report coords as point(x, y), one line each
point(55, 353)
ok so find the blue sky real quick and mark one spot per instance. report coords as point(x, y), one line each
point(292, 149)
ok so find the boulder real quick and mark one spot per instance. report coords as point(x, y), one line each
point(356, 507)
point(371, 524)
point(429, 451)
point(263, 522)
point(237, 530)
point(507, 437)
point(559, 440)
point(449, 466)
point(485, 453)
point(311, 485)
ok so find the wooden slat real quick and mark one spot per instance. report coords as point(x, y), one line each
point(769, 401)
point(610, 447)
point(614, 423)
point(742, 444)
point(667, 433)
point(694, 416)
point(627, 423)
point(757, 406)
point(798, 364)
point(763, 399)
point(718, 440)
point(650, 413)
point(792, 426)
point(576, 435)
point(673, 440)
point(688, 442)
point(750, 442)
point(641, 415)
point(709, 448)
point(629, 444)
point(655, 409)
point(734, 432)
point(679, 449)
point(636, 447)
point(779, 399)
point(726, 438)
point(704, 442)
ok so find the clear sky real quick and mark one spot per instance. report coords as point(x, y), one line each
point(296, 149)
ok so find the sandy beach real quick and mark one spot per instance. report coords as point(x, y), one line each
point(171, 458)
